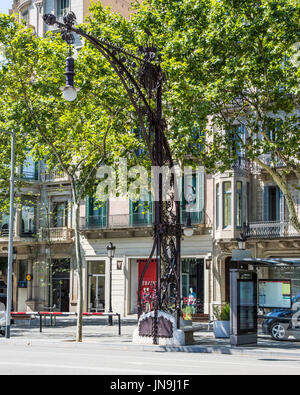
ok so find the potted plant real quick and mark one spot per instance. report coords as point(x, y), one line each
point(222, 321)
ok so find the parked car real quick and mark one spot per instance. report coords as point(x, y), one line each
point(2, 313)
point(279, 322)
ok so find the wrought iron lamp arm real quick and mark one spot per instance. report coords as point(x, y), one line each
point(108, 50)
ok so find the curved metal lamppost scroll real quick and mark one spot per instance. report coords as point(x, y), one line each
point(142, 78)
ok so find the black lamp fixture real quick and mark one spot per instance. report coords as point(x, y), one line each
point(111, 250)
point(242, 241)
point(69, 91)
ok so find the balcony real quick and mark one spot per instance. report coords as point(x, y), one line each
point(133, 220)
point(4, 232)
point(243, 164)
point(56, 176)
point(57, 235)
point(197, 217)
point(115, 221)
point(271, 230)
point(29, 175)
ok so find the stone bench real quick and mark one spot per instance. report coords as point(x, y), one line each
point(189, 333)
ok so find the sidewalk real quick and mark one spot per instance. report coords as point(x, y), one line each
point(97, 332)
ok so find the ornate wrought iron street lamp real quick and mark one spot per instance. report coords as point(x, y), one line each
point(110, 253)
point(142, 78)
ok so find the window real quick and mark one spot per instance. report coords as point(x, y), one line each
point(60, 214)
point(248, 203)
point(199, 140)
point(239, 204)
point(29, 169)
point(141, 212)
point(237, 138)
point(193, 195)
point(62, 7)
point(96, 213)
point(226, 204)
point(4, 224)
point(28, 218)
point(218, 206)
point(273, 204)
point(22, 270)
point(25, 16)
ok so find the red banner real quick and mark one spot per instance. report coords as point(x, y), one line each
point(148, 288)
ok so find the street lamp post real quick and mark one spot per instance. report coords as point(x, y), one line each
point(111, 253)
point(11, 235)
point(143, 78)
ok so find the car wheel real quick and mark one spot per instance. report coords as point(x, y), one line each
point(278, 331)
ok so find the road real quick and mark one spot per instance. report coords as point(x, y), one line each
point(90, 359)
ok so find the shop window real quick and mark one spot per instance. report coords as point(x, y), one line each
point(192, 288)
point(239, 204)
point(96, 286)
point(227, 203)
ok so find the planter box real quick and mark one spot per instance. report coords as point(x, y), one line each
point(222, 329)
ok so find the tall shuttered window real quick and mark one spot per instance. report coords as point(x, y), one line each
point(62, 7)
point(239, 204)
point(227, 204)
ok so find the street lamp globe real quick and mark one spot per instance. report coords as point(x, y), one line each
point(188, 230)
point(69, 93)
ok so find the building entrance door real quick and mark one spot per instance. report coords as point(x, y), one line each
point(61, 298)
point(61, 284)
point(97, 286)
point(97, 292)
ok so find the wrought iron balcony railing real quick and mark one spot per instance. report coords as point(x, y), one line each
point(132, 220)
point(271, 230)
point(29, 175)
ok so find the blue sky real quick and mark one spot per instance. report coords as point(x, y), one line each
point(5, 5)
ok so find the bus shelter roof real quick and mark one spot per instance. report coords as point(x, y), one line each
point(269, 262)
